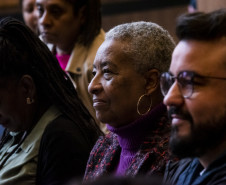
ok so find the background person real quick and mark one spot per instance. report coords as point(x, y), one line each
point(126, 96)
point(29, 13)
point(194, 90)
point(49, 131)
point(73, 27)
point(192, 7)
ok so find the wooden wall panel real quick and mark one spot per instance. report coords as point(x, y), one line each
point(161, 12)
point(166, 17)
point(210, 5)
point(8, 3)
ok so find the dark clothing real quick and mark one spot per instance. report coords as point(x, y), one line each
point(151, 155)
point(193, 3)
point(53, 152)
point(63, 153)
point(187, 172)
point(1, 131)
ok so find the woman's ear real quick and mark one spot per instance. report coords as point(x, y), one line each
point(81, 14)
point(27, 87)
point(152, 80)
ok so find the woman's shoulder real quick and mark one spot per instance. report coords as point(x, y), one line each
point(63, 128)
point(62, 123)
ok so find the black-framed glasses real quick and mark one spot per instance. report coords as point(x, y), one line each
point(185, 80)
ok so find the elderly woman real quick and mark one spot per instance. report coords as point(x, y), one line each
point(126, 96)
point(49, 133)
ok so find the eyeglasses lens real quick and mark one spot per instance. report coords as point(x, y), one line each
point(166, 81)
point(185, 82)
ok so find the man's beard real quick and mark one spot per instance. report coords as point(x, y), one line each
point(202, 138)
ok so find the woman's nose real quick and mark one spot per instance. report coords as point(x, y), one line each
point(44, 20)
point(95, 85)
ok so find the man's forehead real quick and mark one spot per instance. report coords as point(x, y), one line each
point(199, 56)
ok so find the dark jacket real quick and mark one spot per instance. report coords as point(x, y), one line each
point(187, 172)
point(150, 159)
point(63, 153)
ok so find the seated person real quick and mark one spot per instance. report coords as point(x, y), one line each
point(72, 30)
point(30, 14)
point(194, 90)
point(192, 7)
point(127, 97)
point(49, 133)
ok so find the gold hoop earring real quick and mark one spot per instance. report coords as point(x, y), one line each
point(138, 102)
point(30, 100)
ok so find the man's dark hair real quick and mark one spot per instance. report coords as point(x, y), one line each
point(202, 26)
point(21, 53)
point(92, 23)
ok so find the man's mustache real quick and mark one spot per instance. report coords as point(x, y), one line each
point(176, 110)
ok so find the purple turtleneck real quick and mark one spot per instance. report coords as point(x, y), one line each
point(131, 136)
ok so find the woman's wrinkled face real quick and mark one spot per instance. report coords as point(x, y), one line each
point(116, 86)
point(30, 15)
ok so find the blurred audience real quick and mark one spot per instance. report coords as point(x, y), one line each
point(127, 96)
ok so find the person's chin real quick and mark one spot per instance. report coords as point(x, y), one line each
point(48, 38)
point(181, 143)
point(181, 127)
point(100, 116)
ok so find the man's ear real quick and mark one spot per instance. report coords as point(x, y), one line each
point(152, 80)
point(27, 86)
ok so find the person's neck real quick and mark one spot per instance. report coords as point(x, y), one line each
point(131, 135)
point(63, 50)
point(211, 155)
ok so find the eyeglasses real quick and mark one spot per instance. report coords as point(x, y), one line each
point(185, 81)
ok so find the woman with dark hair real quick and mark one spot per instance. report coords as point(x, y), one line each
point(49, 133)
point(72, 30)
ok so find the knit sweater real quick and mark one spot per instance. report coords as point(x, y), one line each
point(140, 147)
point(130, 138)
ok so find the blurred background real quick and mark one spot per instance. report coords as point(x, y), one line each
point(114, 12)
